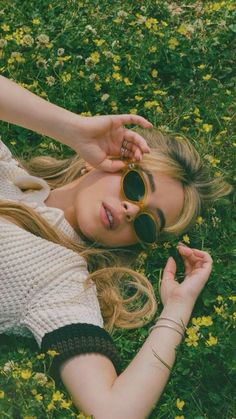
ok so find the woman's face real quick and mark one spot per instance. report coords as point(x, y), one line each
point(99, 193)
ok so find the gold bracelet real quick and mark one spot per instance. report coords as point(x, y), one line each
point(173, 321)
point(161, 360)
point(167, 326)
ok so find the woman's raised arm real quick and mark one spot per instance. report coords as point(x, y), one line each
point(94, 138)
point(91, 379)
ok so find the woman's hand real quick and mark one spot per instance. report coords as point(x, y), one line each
point(198, 265)
point(97, 138)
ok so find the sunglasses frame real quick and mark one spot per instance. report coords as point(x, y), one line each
point(131, 167)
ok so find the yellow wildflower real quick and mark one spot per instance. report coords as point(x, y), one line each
point(138, 98)
point(154, 73)
point(50, 406)
point(173, 43)
point(65, 405)
point(99, 42)
point(219, 298)
point(2, 394)
point(182, 29)
point(98, 86)
point(117, 76)
point(179, 417)
point(232, 298)
point(212, 160)
point(196, 111)
point(116, 58)
point(152, 49)
point(159, 92)
point(66, 77)
point(29, 417)
point(133, 111)
point(150, 22)
point(198, 120)
point(25, 374)
point(180, 404)
point(104, 97)
point(52, 353)
point(196, 321)
point(38, 397)
point(40, 356)
point(127, 81)
point(220, 310)
point(207, 77)
point(207, 127)
point(206, 321)
point(150, 104)
point(186, 239)
point(116, 67)
point(192, 340)
point(194, 329)
point(114, 106)
point(5, 27)
point(199, 220)
point(36, 21)
point(211, 341)
point(57, 396)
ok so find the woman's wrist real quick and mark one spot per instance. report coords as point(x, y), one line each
point(178, 310)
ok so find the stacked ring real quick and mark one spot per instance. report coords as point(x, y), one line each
point(123, 148)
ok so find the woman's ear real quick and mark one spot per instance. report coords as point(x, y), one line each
point(86, 169)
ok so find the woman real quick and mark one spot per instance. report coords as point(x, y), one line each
point(58, 219)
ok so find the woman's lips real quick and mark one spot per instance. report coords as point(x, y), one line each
point(104, 217)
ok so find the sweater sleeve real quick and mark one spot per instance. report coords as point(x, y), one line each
point(44, 290)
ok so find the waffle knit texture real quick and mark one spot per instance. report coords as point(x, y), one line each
point(43, 291)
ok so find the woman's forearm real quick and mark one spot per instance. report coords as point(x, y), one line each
point(21, 107)
point(140, 386)
point(95, 388)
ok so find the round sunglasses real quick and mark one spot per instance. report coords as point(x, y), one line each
point(134, 189)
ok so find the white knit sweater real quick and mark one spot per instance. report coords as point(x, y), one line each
point(42, 283)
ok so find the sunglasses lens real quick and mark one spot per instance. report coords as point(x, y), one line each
point(145, 228)
point(133, 185)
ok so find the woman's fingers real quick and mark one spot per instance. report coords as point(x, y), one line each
point(195, 259)
point(136, 140)
point(169, 271)
point(191, 260)
point(134, 119)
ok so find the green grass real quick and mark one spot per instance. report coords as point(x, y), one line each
point(173, 65)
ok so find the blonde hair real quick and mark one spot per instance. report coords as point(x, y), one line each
point(126, 297)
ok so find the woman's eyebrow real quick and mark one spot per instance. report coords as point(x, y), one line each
point(160, 213)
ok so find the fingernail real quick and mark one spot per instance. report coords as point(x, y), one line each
point(182, 244)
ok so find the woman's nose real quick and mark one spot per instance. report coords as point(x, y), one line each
point(130, 210)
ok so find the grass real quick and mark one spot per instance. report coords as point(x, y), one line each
point(172, 63)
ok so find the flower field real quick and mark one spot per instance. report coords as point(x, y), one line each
point(173, 63)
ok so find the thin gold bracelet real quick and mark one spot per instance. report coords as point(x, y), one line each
point(161, 360)
point(167, 326)
point(173, 321)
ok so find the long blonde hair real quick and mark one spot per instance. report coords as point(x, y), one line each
point(126, 297)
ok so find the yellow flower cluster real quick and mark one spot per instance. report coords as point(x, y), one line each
point(202, 321)
point(212, 160)
point(173, 43)
point(193, 337)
